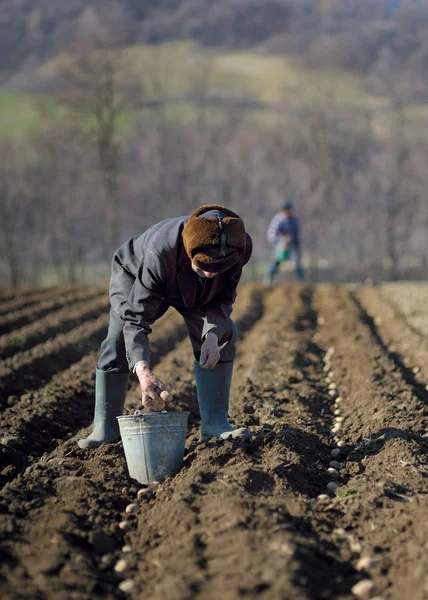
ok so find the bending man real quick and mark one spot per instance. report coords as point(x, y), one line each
point(193, 264)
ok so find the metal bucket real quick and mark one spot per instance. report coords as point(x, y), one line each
point(153, 443)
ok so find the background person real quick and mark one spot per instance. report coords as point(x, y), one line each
point(284, 235)
point(193, 264)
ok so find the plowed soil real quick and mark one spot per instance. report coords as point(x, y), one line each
point(319, 370)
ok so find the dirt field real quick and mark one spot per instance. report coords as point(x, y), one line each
point(318, 370)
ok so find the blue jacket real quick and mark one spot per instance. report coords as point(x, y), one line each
point(282, 225)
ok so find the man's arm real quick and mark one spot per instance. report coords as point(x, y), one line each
point(142, 308)
point(273, 229)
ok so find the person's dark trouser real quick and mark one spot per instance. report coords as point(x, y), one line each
point(214, 408)
point(275, 264)
point(193, 318)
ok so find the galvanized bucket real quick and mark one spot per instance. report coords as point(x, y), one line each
point(153, 443)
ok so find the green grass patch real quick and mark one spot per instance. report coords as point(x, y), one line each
point(20, 340)
point(344, 493)
point(21, 114)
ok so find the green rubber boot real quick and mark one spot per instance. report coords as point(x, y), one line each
point(110, 393)
point(213, 387)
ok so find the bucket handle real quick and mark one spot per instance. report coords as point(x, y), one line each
point(138, 415)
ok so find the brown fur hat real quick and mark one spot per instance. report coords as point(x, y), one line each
point(214, 238)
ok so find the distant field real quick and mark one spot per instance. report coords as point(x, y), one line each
point(182, 76)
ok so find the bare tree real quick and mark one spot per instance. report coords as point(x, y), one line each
point(15, 205)
point(96, 92)
point(67, 186)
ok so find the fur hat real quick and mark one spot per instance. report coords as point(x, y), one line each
point(214, 238)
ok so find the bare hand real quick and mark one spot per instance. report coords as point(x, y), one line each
point(286, 241)
point(151, 388)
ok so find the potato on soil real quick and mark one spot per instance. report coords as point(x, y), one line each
point(363, 589)
point(127, 586)
point(335, 464)
point(121, 566)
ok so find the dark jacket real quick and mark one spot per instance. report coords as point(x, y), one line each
point(152, 271)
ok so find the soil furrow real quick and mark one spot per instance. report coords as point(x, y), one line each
point(61, 519)
point(28, 371)
point(400, 361)
point(233, 523)
point(64, 405)
point(17, 294)
point(57, 522)
point(243, 518)
point(382, 501)
point(405, 342)
point(54, 323)
point(411, 300)
point(33, 296)
point(18, 318)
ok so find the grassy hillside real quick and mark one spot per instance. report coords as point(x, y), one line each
point(181, 73)
point(180, 76)
point(21, 114)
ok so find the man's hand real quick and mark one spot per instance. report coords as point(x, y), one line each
point(210, 352)
point(151, 387)
point(286, 240)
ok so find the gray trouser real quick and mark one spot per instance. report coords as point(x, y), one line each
point(113, 356)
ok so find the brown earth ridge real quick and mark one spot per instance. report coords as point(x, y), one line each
point(318, 368)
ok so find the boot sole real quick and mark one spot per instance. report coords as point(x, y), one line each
point(87, 444)
point(238, 433)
